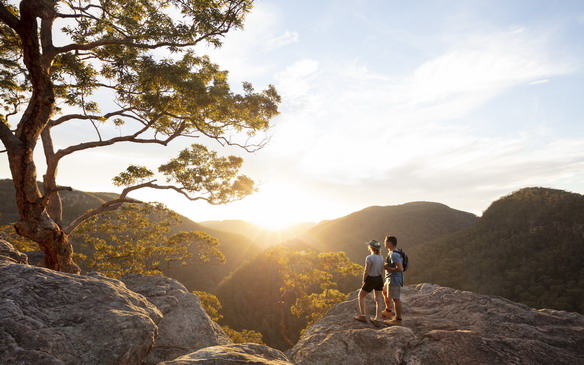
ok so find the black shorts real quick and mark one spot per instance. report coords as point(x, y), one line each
point(373, 283)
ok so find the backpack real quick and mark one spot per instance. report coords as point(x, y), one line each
point(403, 256)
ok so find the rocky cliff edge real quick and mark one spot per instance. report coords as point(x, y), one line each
point(445, 326)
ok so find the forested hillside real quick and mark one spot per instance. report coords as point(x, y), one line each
point(527, 247)
point(251, 295)
point(412, 223)
point(74, 202)
point(197, 276)
point(205, 276)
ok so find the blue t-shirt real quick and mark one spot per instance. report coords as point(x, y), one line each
point(395, 277)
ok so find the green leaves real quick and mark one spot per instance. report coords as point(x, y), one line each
point(137, 239)
point(210, 304)
point(198, 170)
point(311, 277)
point(132, 176)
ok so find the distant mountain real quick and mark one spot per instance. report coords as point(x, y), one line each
point(412, 223)
point(527, 247)
point(260, 236)
point(236, 248)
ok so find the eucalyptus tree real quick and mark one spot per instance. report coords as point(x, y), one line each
point(59, 58)
point(308, 279)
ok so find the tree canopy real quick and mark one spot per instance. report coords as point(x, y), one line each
point(136, 239)
point(131, 66)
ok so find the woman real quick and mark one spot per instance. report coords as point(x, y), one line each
point(372, 280)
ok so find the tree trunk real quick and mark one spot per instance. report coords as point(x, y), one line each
point(35, 223)
point(283, 328)
point(52, 240)
point(55, 207)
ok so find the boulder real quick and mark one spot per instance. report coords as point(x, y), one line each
point(249, 353)
point(186, 327)
point(445, 326)
point(49, 317)
point(35, 257)
point(7, 251)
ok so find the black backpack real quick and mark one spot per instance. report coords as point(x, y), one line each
point(403, 256)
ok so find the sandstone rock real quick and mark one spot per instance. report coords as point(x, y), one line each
point(8, 251)
point(48, 317)
point(249, 353)
point(445, 326)
point(186, 327)
point(35, 257)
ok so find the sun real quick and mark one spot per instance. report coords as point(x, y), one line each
point(277, 206)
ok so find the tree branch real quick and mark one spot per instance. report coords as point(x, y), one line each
point(107, 206)
point(7, 137)
point(116, 203)
point(129, 41)
point(8, 18)
point(152, 185)
point(171, 187)
point(60, 188)
point(66, 118)
point(129, 138)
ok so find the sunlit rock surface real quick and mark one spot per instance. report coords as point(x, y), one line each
point(186, 327)
point(445, 326)
point(247, 354)
point(48, 317)
point(8, 251)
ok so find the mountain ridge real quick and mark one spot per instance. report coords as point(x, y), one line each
point(526, 247)
point(412, 223)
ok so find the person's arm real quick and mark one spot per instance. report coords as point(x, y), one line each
point(367, 265)
point(398, 267)
point(397, 262)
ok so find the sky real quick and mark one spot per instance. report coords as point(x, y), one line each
point(389, 102)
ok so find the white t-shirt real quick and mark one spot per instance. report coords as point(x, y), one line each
point(375, 265)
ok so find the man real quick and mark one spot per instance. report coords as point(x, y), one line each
point(394, 281)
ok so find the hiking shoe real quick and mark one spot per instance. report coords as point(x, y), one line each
point(387, 314)
point(393, 322)
point(361, 318)
point(376, 322)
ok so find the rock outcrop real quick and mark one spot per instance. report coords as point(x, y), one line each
point(185, 327)
point(48, 317)
point(249, 353)
point(7, 251)
point(445, 326)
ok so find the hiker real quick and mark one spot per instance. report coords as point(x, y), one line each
point(394, 282)
point(372, 280)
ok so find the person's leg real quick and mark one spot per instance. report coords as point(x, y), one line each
point(378, 295)
point(398, 308)
point(362, 305)
point(387, 312)
point(395, 293)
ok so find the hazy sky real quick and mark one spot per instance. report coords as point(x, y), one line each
point(387, 102)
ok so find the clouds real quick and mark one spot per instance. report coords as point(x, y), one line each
point(285, 39)
point(423, 131)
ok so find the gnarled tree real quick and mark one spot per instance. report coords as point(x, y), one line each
point(59, 58)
